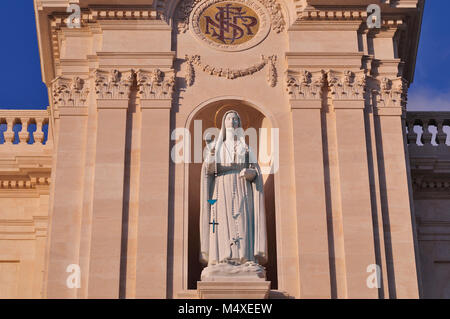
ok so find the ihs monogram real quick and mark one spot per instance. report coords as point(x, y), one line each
point(229, 23)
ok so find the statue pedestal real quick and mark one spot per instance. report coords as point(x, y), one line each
point(233, 290)
point(233, 281)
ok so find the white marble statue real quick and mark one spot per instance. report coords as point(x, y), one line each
point(233, 228)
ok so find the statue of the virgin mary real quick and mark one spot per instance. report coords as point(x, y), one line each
point(232, 216)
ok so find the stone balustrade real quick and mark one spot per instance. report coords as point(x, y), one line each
point(428, 130)
point(428, 138)
point(24, 127)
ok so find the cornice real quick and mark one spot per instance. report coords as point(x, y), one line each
point(95, 18)
point(24, 113)
point(25, 229)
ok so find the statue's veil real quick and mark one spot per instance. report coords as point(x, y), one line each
point(239, 132)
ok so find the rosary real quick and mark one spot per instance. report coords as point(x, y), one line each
point(237, 238)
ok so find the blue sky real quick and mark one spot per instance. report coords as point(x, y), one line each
point(22, 85)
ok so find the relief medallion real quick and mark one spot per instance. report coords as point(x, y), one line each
point(230, 25)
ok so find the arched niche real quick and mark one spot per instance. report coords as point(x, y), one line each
point(210, 116)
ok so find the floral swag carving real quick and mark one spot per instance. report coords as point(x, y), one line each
point(230, 73)
point(185, 7)
point(69, 92)
point(114, 85)
point(155, 84)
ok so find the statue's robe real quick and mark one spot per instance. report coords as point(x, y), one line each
point(241, 237)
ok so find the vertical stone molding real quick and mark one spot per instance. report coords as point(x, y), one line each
point(156, 88)
point(70, 104)
point(112, 90)
point(395, 181)
point(305, 92)
point(347, 98)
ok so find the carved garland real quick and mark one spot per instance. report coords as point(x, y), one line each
point(184, 10)
point(276, 14)
point(230, 73)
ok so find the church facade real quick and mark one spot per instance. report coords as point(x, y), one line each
point(100, 193)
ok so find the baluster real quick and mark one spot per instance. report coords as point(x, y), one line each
point(426, 135)
point(9, 133)
point(39, 134)
point(441, 136)
point(24, 134)
point(446, 125)
point(411, 136)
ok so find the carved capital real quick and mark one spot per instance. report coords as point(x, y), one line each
point(70, 92)
point(392, 92)
point(156, 84)
point(305, 85)
point(347, 85)
point(114, 84)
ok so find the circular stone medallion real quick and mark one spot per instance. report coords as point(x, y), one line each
point(230, 25)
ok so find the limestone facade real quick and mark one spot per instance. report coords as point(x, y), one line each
point(352, 188)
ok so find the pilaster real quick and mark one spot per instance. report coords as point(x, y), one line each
point(70, 105)
point(347, 98)
point(155, 93)
point(305, 91)
point(398, 213)
point(112, 89)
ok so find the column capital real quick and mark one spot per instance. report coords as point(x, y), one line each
point(304, 85)
point(113, 84)
point(391, 96)
point(346, 85)
point(70, 93)
point(156, 84)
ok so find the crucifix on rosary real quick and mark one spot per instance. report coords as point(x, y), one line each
point(237, 241)
point(214, 225)
point(212, 202)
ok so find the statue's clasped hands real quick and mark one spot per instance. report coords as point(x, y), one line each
point(248, 173)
